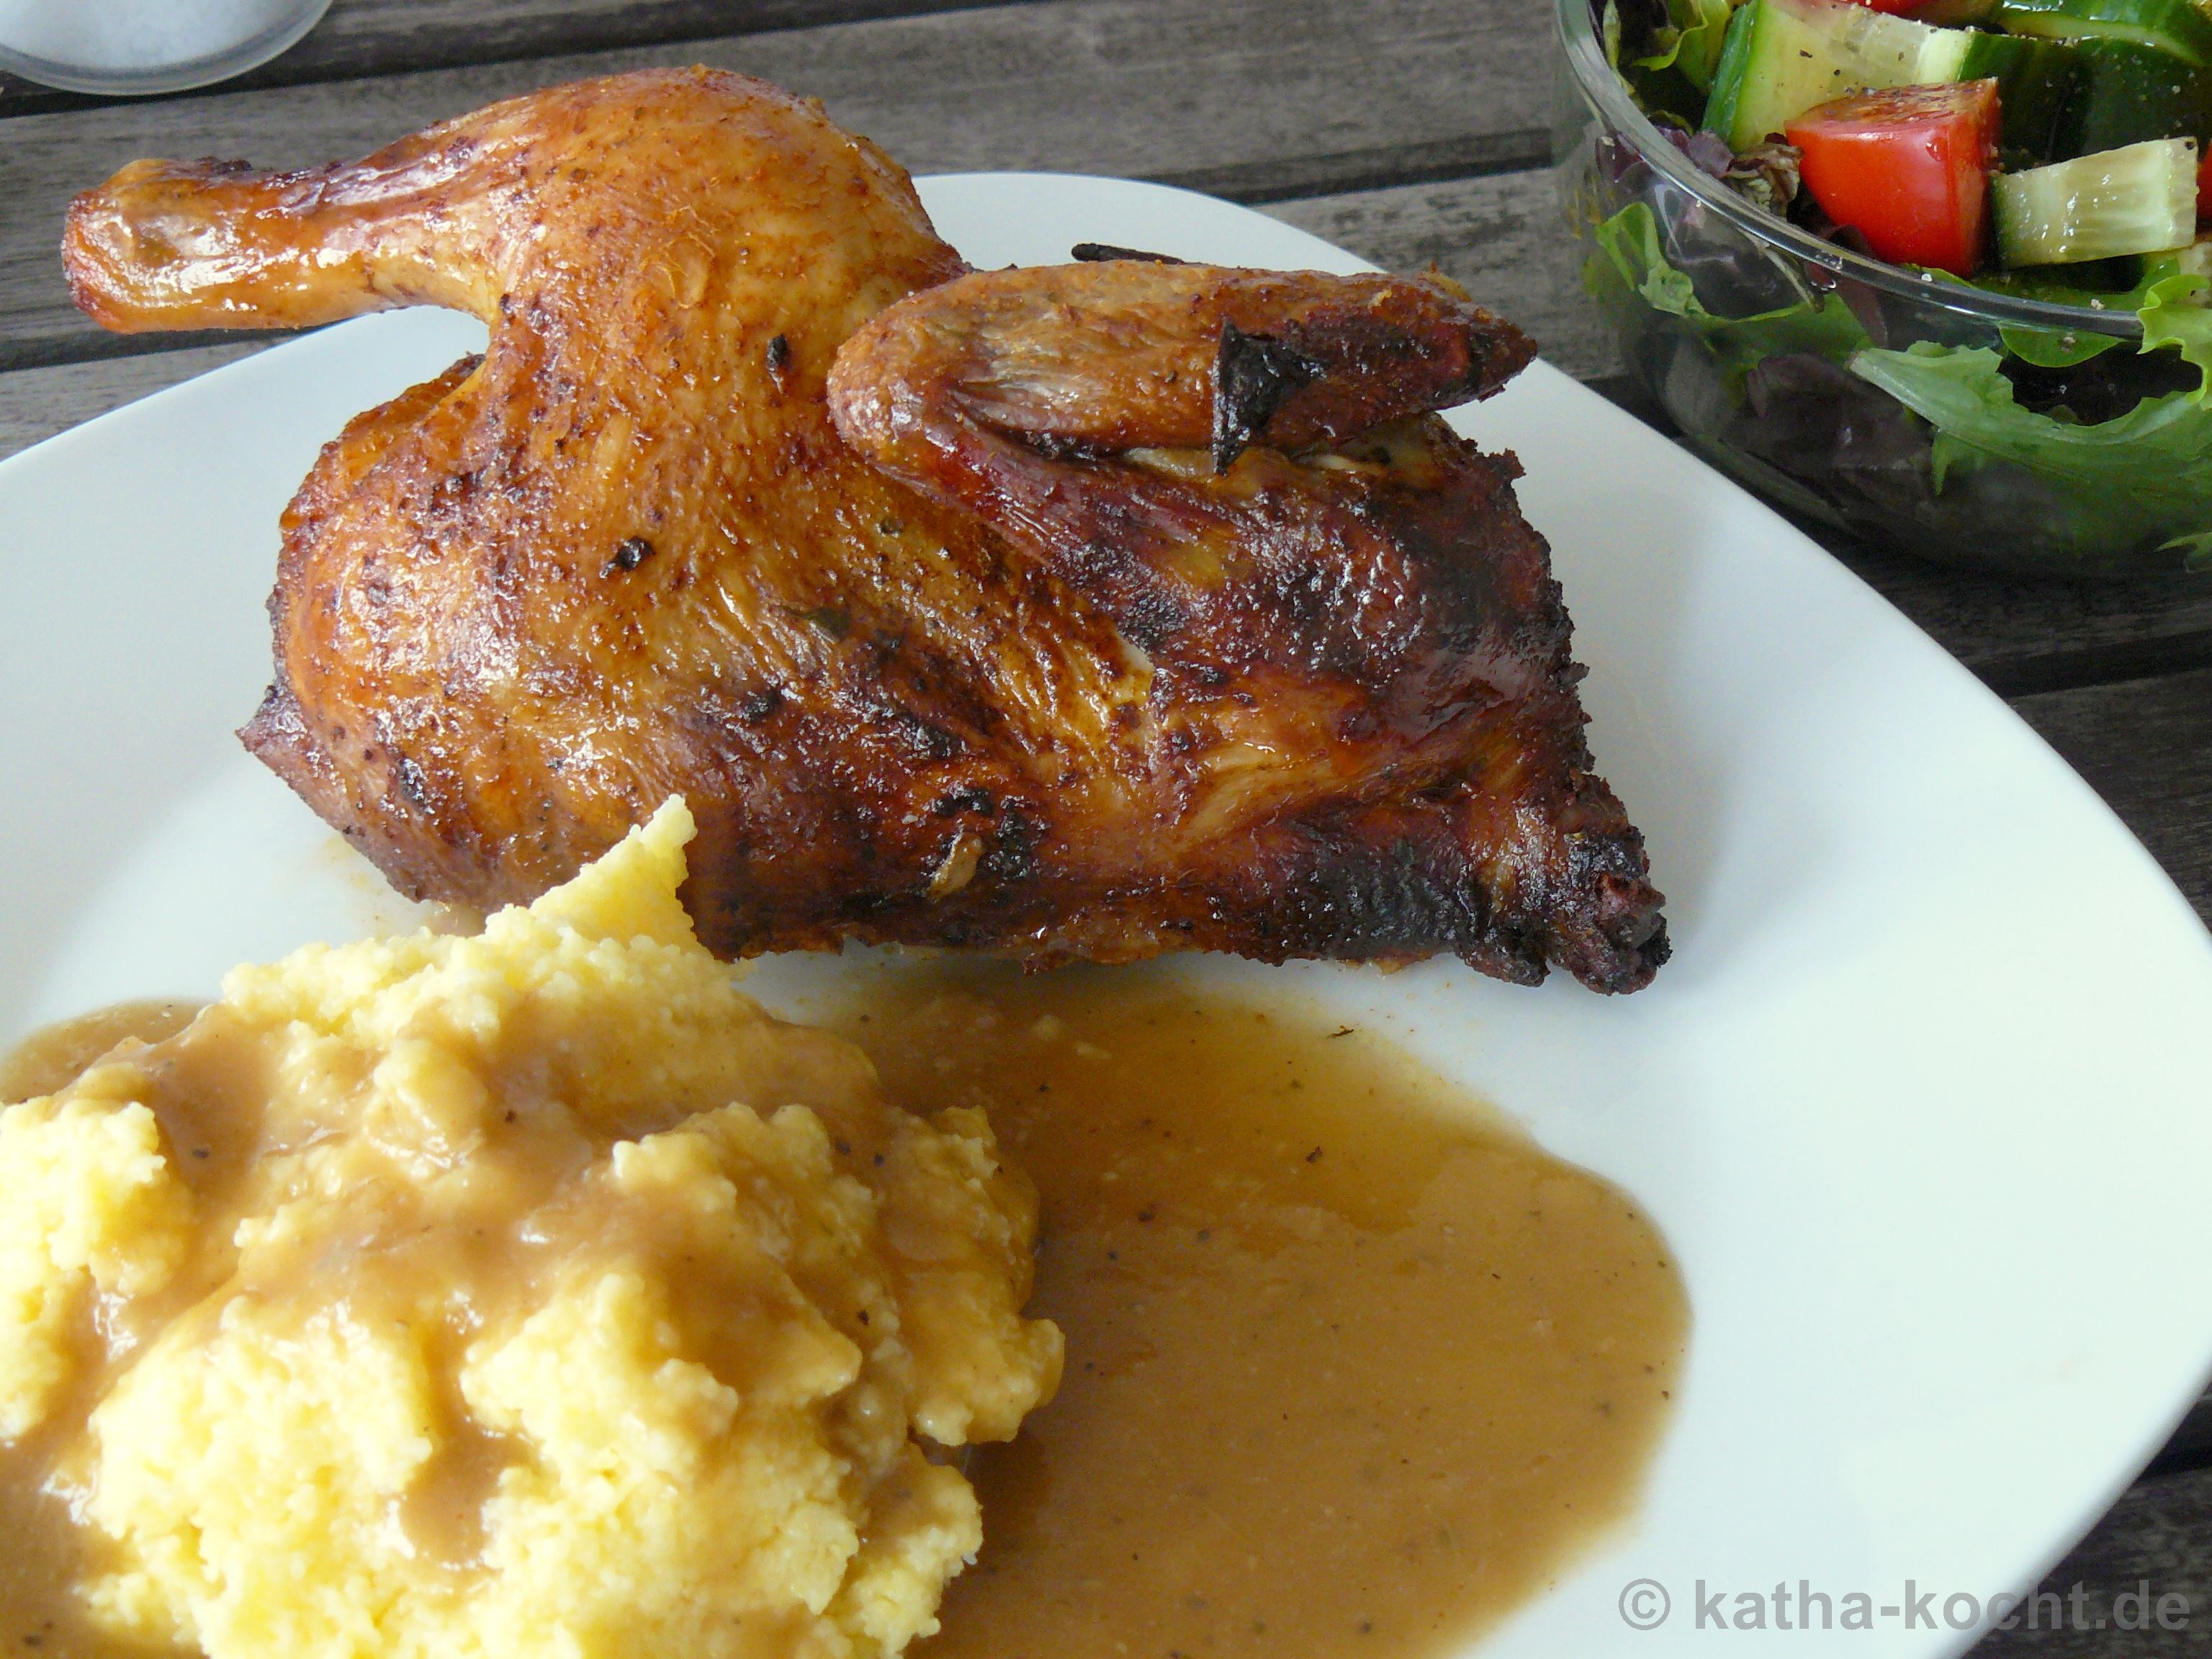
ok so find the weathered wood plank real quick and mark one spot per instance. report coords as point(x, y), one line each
point(2023, 637)
point(359, 38)
point(1243, 95)
point(2158, 1540)
point(2146, 746)
point(37, 403)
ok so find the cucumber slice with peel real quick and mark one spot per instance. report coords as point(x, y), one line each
point(2141, 199)
point(2036, 82)
point(2129, 93)
point(2180, 26)
point(1782, 57)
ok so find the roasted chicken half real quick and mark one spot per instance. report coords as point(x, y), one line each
point(1091, 610)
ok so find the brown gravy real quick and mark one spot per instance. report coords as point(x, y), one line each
point(51, 1058)
point(1353, 1365)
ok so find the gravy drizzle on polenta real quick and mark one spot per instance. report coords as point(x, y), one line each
point(1353, 1366)
point(529, 1293)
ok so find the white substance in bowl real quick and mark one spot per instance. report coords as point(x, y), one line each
point(133, 45)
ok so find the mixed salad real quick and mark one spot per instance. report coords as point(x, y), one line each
point(1965, 135)
point(2055, 149)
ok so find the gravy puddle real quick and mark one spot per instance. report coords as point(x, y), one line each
point(50, 1059)
point(1353, 1366)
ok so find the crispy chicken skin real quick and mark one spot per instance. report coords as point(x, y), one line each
point(1083, 612)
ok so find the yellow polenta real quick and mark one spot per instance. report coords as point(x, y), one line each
point(529, 1293)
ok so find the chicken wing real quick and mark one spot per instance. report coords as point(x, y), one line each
point(1087, 612)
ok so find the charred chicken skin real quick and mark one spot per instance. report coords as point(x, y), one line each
point(1082, 612)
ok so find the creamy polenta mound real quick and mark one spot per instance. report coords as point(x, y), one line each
point(528, 1293)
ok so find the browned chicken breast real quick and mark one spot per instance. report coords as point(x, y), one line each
point(1087, 612)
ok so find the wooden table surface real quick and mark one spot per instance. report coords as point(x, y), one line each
point(1407, 131)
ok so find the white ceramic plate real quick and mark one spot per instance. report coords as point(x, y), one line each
point(1921, 1101)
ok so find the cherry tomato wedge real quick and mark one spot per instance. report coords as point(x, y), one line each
point(2205, 186)
point(1908, 168)
point(1892, 6)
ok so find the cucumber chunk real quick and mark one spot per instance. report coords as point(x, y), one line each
point(2130, 94)
point(2179, 27)
point(1781, 57)
point(2036, 82)
point(2141, 199)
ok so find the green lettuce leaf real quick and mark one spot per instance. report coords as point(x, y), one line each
point(1631, 265)
point(1689, 42)
point(2151, 467)
point(2161, 288)
point(2174, 313)
point(2142, 480)
point(2048, 348)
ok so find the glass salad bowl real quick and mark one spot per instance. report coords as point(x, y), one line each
point(135, 47)
point(1989, 429)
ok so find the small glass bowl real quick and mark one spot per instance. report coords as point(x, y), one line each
point(133, 48)
point(1778, 404)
